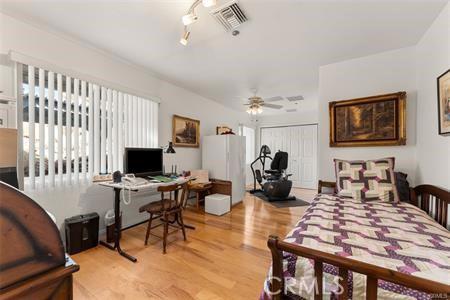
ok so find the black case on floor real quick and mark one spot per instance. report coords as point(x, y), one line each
point(81, 232)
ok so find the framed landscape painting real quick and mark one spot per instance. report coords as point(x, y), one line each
point(185, 132)
point(370, 121)
point(443, 92)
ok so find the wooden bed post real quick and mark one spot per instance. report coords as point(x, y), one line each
point(277, 280)
point(326, 184)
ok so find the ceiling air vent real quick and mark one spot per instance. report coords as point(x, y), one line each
point(291, 110)
point(295, 98)
point(229, 16)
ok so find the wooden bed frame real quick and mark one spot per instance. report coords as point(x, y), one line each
point(420, 196)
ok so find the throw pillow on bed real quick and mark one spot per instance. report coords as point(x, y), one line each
point(366, 180)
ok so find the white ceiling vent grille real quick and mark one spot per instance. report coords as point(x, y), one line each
point(291, 110)
point(295, 98)
point(229, 16)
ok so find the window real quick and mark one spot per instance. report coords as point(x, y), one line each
point(73, 129)
point(249, 134)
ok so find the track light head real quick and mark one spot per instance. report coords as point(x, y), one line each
point(189, 18)
point(184, 39)
point(209, 3)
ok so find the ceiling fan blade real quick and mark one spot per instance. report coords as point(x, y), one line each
point(274, 106)
point(273, 99)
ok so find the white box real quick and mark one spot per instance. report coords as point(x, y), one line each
point(217, 204)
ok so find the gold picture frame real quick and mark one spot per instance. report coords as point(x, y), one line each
point(222, 129)
point(443, 93)
point(370, 121)
point(185, 132)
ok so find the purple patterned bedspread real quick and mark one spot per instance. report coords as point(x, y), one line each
point(397, 236)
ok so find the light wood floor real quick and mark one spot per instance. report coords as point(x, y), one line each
point(224, 258)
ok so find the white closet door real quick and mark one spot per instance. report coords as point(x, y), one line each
point(300, 142)
point(294, 155)
point(308, 159)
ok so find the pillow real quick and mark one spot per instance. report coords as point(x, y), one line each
point(368, 180)
point(402, 186)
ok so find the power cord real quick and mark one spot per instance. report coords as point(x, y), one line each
point(127, 202)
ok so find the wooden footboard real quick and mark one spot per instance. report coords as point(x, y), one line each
point(373, 273)
point(429, 198)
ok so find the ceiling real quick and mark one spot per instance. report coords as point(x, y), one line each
point(278, 51)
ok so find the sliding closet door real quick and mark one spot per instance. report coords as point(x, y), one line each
point(301, 144)
point(295, 155)
point(308, 158)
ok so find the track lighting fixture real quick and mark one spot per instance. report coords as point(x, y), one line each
point(190, 17)
point(209, 3)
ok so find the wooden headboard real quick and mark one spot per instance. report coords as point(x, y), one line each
point(433, 200)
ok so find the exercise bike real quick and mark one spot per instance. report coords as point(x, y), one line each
point(274, 183)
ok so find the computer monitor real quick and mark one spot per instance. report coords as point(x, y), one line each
point(143, 161)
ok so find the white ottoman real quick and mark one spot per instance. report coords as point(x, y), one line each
point(217, 204)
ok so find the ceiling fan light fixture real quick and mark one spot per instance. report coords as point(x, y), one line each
point(189, 19)
point(254, 110)
point(209, 3)
point(184, 39)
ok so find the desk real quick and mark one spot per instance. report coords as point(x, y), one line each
point(117, 187)
point(199, 189)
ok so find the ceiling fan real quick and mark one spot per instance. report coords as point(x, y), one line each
point(256, 103)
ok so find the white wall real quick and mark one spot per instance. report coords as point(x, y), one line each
point(381, 73)
point(178, 101)
point(64, 52)
point(432, 59)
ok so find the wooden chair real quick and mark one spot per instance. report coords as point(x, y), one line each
point(165, 209)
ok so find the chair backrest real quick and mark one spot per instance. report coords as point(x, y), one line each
point(280, 161)
point(174, 194)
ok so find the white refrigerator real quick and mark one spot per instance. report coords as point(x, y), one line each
point(224, 157)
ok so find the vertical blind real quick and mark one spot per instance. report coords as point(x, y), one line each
point(74, 129)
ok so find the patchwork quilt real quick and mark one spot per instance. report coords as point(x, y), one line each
point(397, 236)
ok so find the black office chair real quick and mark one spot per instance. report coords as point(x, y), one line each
point(278, 186)
point(277, 166)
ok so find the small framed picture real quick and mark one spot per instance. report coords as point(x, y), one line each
point(185, 132)
point(443, 93)
point(223, 130)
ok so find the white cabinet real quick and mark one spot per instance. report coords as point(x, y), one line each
point(6, 82)
point(7, 100)
point(7, 115)
point(224, 157)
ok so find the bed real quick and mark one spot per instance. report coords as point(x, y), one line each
point(365, 250)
